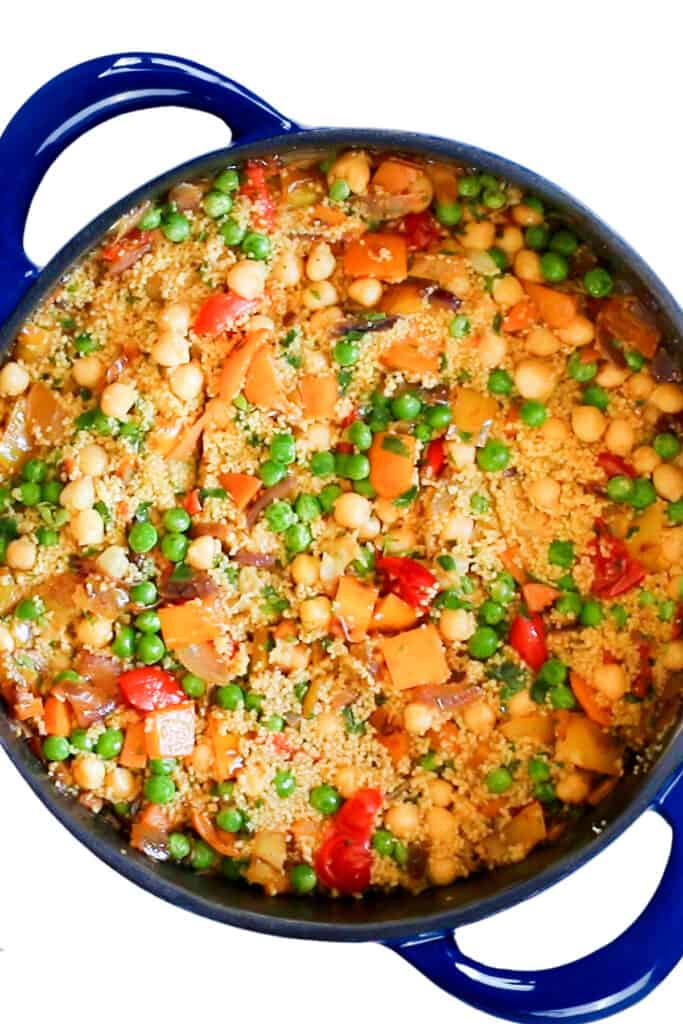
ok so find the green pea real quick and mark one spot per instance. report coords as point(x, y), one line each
point(580, 371)
point(422, 432)
point(503, 589)
point(174, 546)
point(143, 593)
point(346, 353)
point(272, 472)
point(634, 360)
point(406, 406)
point(303, 878)
point(148, 622)
point(325, 799)
point(667, 446)
point(553, 672)
point(499, 257)
point(227, 181)
point(159, 789)
point(674, 512)
point(193, 686)
point(591, 614)
point(353, 467)
point(284, 783)
point(534, 203)
point(224, 790)
point(50, 491)
point(479, 504)
point(279, 516)
point(203, 857)
point(493, 457)
point(34, 470)
point(561, 552)
point(598, 282)
point(179, 846)
point(80, 740)
point(439, 416)
point(483, 643)
point(29, 494)
point(562, 698)
point(232, 231)
point(283, 449)
point(538, 769)
point(429, 762)
point(256, 246)
point(176, 520)
point(142, 537)
point(328, 496)
point(233, 868)
point(533, 413)
point(322, 464)
point(400, 853)
point(29, 609)
point(378, 420)
point(68, 675)
point(56, 748)
point(499, 382)
point(448, 213)
point(150, 648)
point(469, 186)
point(536, 237)
point(163, 765)
point(339, 191)
point(46, 537)
point(307, 508)
point(123, 645)
point(298, 538)
point(596, 396)
point(619, 488)
point(216, 204)
point(230, 819)
point(273, 723)
point(176, 227)
point(569, 604)
point(383, 842)
point(491, 613)
point(545, 792)
point(643, 494)
point(564, 242)
point(493, 198)
point(253, 701)
point(84, 344)
point(230, 697)
point(151, 219)
point(360, 435)
point(459, 326)
point(498, 780)
point(109, 743)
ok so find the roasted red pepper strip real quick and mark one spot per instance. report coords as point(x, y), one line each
point(220, 311)
point(614, 465)
point(410, 580)
point(615, 571)
point(343, 860)
point(527, 637)
point(148, 689)
point(421, 230)
point(192, 503)
point(254, 187)
point(435, 456)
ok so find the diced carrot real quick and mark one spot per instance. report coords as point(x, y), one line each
point(234, 372)
point(318, 395)
point(392, 615)
point(134, 753)
point(585, 694)
point(354, 605)
point(413, 356)
point(57, 716)
point(392, 464)
point(512, 561)
point(394, 176)
point(378, 255)
point(521, 317)
point(192, 503)
point(557, 308)
point(490, 808)
point(261, 386)
point(415, 658)
point(226, 753)
point(32, 708)
point(397, 744)
point(471, 409)
point(538, 596)
point(242, 487)
point(403, 299)
point(169, 731)
point(329, 215)
point(189, 623)
point(285, 628)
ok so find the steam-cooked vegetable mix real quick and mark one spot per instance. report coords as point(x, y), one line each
point(341, 525)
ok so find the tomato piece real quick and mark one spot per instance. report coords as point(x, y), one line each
point(615, 572)
point(343, 863)
point(255, 188)
point(614, 465)
point(527, 637)
point(356, 816)
point(220, 311)
point(421, 230)
point(410, 580)
point(192, 503)
point(148, 689)
point(435, 456)
point(127, 250)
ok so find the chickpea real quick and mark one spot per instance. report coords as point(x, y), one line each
point(620, 437)
point(456, 624)
point(610, 680)
point(6, 640)
point(305, 569)
point(441, 825)
point(461, 454)
point(353, 167)
point(386, 511)
point(573, 788)
point(78, 495)
point(370, 529)
point(247, 278)
point(492, 349)
point(440, 792)
point(640, 386)
point(87, 527)
point(319, 295)
point(203, 552)
point(21, 554)
point(88, 771)
point(527, 266)
point(94, 632)
point(668, 398)
point(555, 430)
point(544, 493)
point(442, 870)
point(418, 718)
point(352, 510)
point(542, 342)
point(316, 613)
point(520, 705)
point(402, 539)
point(672, 656)
point(534, 379)
point(259, 322)
point(120, 784)
point(645, 460)
point(526, 216)
point(507, 290)
point(588, 423)
point(347, 780)
point(288, 268)
point(186, 381)
point(174, 320)
point(511, 240)
point(403, 820)
point(458, 527)
point(14, 380)
point(320, 263)
point(319, 437)
point(578, 332)
point(479, 235)
point(479, 718)
point(88, 371)
point(117, 399)
point(328, 724)
point(671, 546)
point(366, 291)
point(290, 657)
point(668, 481)
point(92, 460)
point(113, 562)
point(611, 376)
point(170, 352)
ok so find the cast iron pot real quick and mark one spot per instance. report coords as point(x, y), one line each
point(419, 928)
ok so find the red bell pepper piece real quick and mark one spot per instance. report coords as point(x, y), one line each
point(220, 311)
point(254, 187)
point(192, 503)
point(615, 571)
point(421, 230)
point(527, 637)
point(435, 456)
point(343, 860)
point(148, 689)
point(127, 250)
point(614, 465)
point(344, 448)
point(410, 580)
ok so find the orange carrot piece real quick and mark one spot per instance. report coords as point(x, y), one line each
point(189, 623)
point(403, 299)
point(538, 596)
point(220, 841)
point(377, 255)
point(226, 755)
point(169, 731)
point(392, 471)
point(521, 317)
point(557, 308)
point(413, 356)
point(328, 215)
point(397, 743)
point(415, 658)
point(261, 386)
point(392, 615)
point(57, 716)
point(242, 487)
point(31, 708)
point(512, 561)
point(353, 605)
point(585, 694)
point(133, 753)
point(318, 395)
point(234, 372)
point(184, 447)
point(394, 176)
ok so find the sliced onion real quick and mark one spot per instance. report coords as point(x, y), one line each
point(177, 591)
point(44, 414)
point(445, 695)
point(255, 558)
point(186, 195)
point(203, 660)
point(284, 489)
point(15, 442)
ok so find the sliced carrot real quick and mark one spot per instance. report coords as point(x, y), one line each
point(184, 447)
point(392, 464)
point(226, 754)
point(557, 308)
point(415, 658)
point(392, 615)
point(512, 561)
point(538, 596)
point(318, 395)
point(521, 317)
point(397, 743)
point(585, 694)
point(354, 605)
point(234, 372)
point(413, 356)
point(133, 753)
point(261, 386)
point(242, 487)
point(57, 716)
point(329, 215)
point(378, 255)
point(169, 731)
point(189, 623)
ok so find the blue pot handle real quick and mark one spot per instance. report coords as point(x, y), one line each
point(85, 96)
point(589, 989)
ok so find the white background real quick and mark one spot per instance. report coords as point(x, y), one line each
point(586, 93)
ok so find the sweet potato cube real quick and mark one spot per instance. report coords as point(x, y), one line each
point(415, 658)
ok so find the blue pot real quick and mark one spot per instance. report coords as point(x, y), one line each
point(419, 928)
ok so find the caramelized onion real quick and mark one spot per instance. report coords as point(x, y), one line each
point(204, 661)
point(95, 697)
point(177, 591)
point(445, 695)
